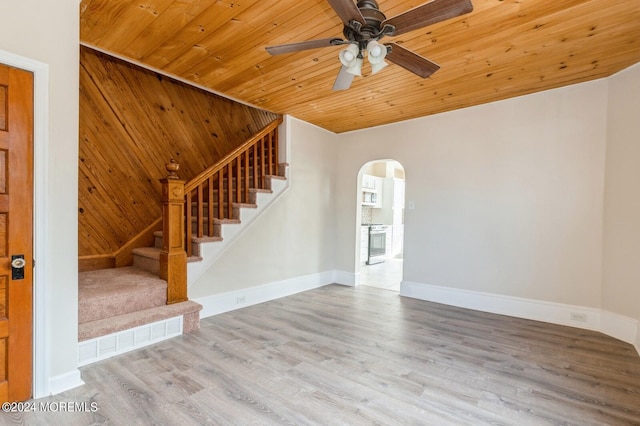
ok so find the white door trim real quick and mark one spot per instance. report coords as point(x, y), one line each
point(40, 72)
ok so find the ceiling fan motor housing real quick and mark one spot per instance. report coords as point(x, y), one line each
point(373, 18)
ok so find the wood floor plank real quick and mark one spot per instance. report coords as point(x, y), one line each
point(360, 356)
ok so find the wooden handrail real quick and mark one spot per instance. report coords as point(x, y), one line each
point(258, 155)
point(210, 171)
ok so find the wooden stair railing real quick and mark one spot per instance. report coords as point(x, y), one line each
point(195, 208)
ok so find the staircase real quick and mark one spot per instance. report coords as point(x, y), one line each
point(121, 309)
point(148, 258)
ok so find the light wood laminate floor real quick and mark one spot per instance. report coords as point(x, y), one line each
point(359, 356)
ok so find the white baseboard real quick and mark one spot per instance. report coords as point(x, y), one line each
point(236, 299)
point(65, 382)
point(346, 278)
point(618, 326)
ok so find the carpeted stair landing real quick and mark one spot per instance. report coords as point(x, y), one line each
point(113, 300)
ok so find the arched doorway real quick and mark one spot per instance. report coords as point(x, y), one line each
point(381, 186)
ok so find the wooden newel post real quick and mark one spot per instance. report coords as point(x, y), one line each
point(173, 258)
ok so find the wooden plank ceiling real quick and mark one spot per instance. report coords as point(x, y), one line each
point(504, 48)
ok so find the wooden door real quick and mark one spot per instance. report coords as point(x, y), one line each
point(16, 233)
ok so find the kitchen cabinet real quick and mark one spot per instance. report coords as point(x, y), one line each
point(384, 212)
point(378, 182)
point(372, 190)
point(368, 182)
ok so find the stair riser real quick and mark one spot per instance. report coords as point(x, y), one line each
point(195, 247)
point(251, 175)
point(217, 230)
point(234, 181)
point(190, 312)
point(267, 185)
point(149, 265)
point(205, 230)
point(235, 213)
point(250, 200)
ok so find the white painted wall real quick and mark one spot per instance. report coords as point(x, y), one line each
point(47, 31)
point(295, 236)
point(621, 258)
point(508, 195)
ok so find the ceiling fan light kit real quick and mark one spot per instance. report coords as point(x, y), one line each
point(376, 54)
point(365, 25)
point(351, 57)
point(378, 66)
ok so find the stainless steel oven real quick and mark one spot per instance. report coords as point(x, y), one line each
point(377, 244)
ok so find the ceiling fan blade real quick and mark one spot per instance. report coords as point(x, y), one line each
point(427, 14)
point(347, 11)
point(411, 61)
point(344, 79)
point(303, 45)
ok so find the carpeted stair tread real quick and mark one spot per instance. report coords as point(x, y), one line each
point(111, 292)
point(154, 253)
point(102, 327)
point(226, 221)
point(276, 177)
point(148, 258)
point(240, 205)
point(205, 239)
point(148, 252)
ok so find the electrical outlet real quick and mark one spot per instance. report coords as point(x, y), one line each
point(241, 299)
point(576, 316)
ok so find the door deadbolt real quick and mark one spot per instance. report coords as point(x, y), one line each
point(17, 267)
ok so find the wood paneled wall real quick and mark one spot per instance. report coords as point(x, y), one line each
point(132, 122)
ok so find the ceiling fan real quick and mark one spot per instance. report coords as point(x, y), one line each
point(365, 24)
